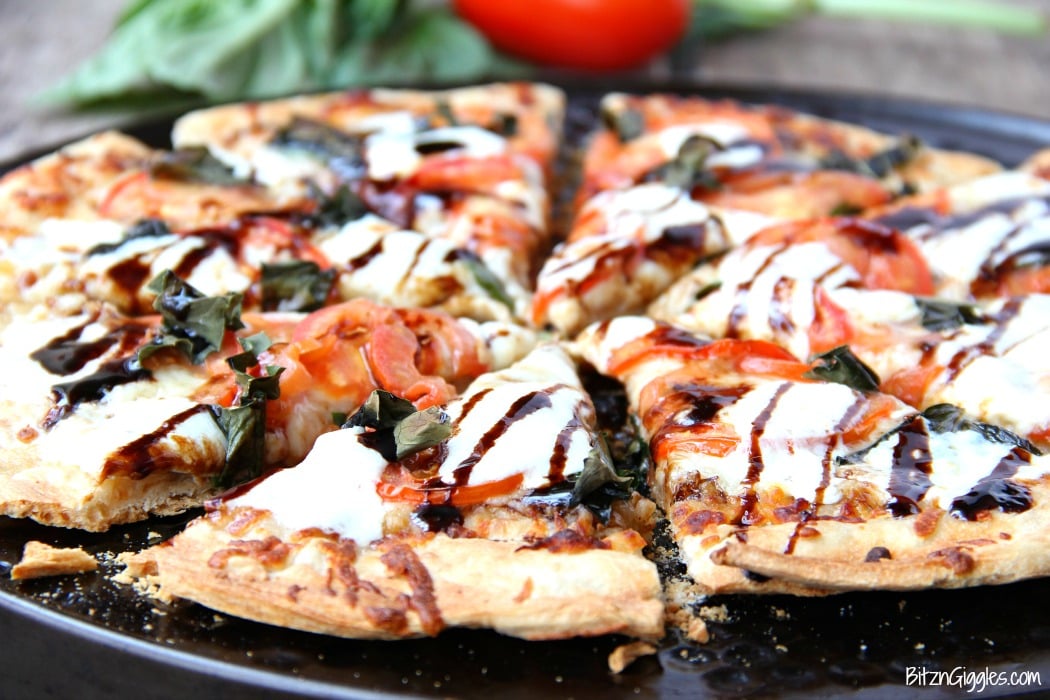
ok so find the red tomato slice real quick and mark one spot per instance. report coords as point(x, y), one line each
point(469, 495)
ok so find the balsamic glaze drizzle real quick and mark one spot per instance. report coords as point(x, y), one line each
point(747, 514)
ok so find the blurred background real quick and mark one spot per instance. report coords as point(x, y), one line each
point(169, 52)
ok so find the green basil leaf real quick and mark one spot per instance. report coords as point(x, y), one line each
point(338, 208)
point(687, 169)
point(627, 124)
point(245, 430)
point(486, 278)
point(420, 430)
point(298, 285)
point(944, 315)
point(320, 139)
point(381, 411)
point(145, 228)
point(597, 471)
point(841, 366)
point(946, 418)
point(195, 164)
point(444, 110)
point(878, 165)
point(192, 322)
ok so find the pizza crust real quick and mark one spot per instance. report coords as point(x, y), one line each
point(406, 587)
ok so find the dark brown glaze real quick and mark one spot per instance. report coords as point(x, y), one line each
point(739, 310)
point(436, 517)
point(136, 459)
point(912, 464)
point(525, 405)
point(749, 501)
point(961, 359)
point(991, 275)
point(688, 408)
point(825, 479)
point(131, 275)
point(997, 491)
point(366, 257)
point(556, 473)
point(910, 217)
point(66, 354)
point(779, 322)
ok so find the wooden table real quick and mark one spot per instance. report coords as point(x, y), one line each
point(41, 40)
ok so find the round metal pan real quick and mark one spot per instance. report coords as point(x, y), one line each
point(85, 636)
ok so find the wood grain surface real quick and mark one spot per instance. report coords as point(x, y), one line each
point(40, 40)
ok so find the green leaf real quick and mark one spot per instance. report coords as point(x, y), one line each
point(597, 471)
point(945, 315)
point(841, 366)
point(946, 418)
point(486, 278)
point(420, 430)
point(878, 165)
point(297, 285)
point(195, 164)
point(397, 429)
point(338, 208)
point(193, 323)
point(146, 228)
point(245, 431)
point(627, 124)
point(687, 169)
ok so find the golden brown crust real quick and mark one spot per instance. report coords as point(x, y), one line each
point(407, 587)
point(40, 559)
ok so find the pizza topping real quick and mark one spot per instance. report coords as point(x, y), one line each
point(944, 315)
point(628, 124)
point(840, 365)
point(395, 428)
point(878, 165)
point(342, 152)
point(195, 164)
point(298, 285)
point(195, 324)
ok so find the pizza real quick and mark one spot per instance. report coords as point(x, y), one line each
point(356, 330)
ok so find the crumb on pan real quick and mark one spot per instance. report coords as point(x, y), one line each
point(626, 654)
point(40, 559)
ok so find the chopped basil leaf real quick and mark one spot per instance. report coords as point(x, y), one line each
point(245, 425)
point(841, 366)
point(339, 418)
point(486, 278)
point(145, 228)
point(597, 471)
point(421, 430)
point(194, 164)
point(846, 209)
point(944, 315)
point(337, 208)
point(628, 124)
point(341, 151)
point(298, 285)
point(193, 323)
point(397, 428)
point(707, 290)
point(686, 170)
point(879, 165)
point(946, 418)
point(444, 110)
point(505, 125)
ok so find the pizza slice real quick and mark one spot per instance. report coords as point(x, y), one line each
point(762, 158)
point(628, 246)
point(106, 418)
point(405, 523)
point(468, 164)
point(984, 239)
point(800, 477)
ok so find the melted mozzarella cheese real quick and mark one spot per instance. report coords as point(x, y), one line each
point(722, 133)
point(393, 154)
point(333, 489)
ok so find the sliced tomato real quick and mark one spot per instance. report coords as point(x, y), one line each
point(465, 173)
point(912, 385)
point(831, 325)
point(471, 494)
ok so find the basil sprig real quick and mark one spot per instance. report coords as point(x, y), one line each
point(841, 366)
point(688, 168)
point(193, 323)
point(245, 424)
point(396, 428)
point(297, 285)
point(335, 209)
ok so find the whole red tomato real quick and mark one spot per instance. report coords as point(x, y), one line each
point(587, 34)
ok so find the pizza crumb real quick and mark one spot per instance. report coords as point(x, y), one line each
point(716, 613)
point(39, 560)
point(781, 614)
point(626, 654)
point(697, 631)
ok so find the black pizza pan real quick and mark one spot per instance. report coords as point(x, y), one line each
point(88, 637)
